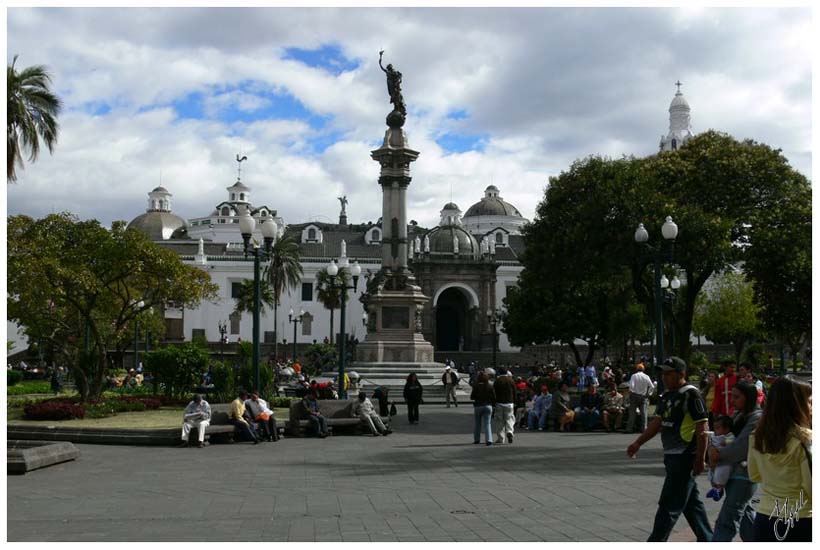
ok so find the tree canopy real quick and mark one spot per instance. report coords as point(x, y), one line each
point(31, 109)
point(726, 196)
point(66, 276)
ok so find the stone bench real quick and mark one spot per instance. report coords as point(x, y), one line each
point(338, 413)
point(220, 429)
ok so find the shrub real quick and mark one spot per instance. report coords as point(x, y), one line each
point(222, 376)
point(29, 386)
point(13, 377)
point(53, 410)
point(320, 358)
point(247, 377)
point(177, 369)
point(281, 401)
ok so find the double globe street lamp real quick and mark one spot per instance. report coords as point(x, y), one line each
point(355, 271)
point(295, 321)
point(246, 226)
point(663, 252)
point(492, 317)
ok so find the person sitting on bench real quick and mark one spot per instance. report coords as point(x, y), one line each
point(197, 415)
point(363, 408)
point(241, 420)
point(263, 416)
point(317, 421)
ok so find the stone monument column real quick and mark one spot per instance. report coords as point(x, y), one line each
point(392, 297)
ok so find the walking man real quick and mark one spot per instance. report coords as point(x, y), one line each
point(681, 418)
point(449, 379)
point(504, 405)
point(640, 387)
point(197, 415)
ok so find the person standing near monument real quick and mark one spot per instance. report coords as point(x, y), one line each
point(483, 398)
point(450, 380)
point(681, 419)
point(504, 407)
point(413, 397)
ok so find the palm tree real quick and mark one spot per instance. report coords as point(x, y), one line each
point(284, 271)
point(331, 298)
point(244, 299)
point(32, 115)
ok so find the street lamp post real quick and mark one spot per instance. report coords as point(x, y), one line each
point(246, 226)
point(355, 271)
point(670, 296)
point(492, 318)
point(295, 320)
point(223, 330)
point(138, 305)
point(658, 254)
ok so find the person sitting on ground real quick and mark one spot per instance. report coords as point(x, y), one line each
point(382, 395)
point(317, 421)
point(719, 475)
point(197, 415)
point(561, 410)
point(364, 409)
point(540, 410)
point(613, 408)
point(241, 420)
point(590, 409)
point(263, 416)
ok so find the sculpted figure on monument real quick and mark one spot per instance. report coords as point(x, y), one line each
point(343, 201)
point(393, 86)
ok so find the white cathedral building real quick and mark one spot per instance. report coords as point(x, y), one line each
point(465, 265)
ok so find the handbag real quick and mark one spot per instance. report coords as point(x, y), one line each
point(393, 410)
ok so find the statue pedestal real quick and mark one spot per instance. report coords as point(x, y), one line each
point(394, 331)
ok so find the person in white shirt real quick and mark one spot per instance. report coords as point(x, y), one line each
point(363, 408)
point(197, 415)
point(640, 388)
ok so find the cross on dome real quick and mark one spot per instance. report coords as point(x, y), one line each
point(678, 84)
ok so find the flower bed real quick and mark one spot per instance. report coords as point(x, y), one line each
point(66, 408)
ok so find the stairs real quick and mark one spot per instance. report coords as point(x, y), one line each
point(394, 375)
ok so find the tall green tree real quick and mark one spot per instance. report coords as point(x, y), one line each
point(244, 298)
point(331, 297)
point(283, 271)
point(726, 313)
point(572, 286)
point(32, 110)
point(66, 276)
point(778, 259)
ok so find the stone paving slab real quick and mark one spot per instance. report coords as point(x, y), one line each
point(425, 482)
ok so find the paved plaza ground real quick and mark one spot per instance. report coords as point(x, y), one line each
point(425, 482)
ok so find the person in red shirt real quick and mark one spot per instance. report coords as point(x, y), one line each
point(722, 405)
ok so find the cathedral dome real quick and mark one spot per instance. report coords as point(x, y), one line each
point(492, 205)
point(679, 102)
point(442, 241)
point(160, 226)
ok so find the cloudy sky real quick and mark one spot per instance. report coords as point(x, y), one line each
point(502, 96)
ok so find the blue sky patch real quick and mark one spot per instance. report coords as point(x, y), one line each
point(328, 57)
point(453, 142)
point(95, 108)
point(458, 114)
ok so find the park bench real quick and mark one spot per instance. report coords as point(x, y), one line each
point(338, 413)
point(220, 430)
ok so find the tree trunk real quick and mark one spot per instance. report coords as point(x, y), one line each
point(276, 329)
point(331, 326)
point(576, 353)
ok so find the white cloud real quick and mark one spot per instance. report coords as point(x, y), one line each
point(543, 87)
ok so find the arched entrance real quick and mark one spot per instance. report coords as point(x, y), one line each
point(452, 329)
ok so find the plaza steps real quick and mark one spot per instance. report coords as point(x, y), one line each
point(394, 375)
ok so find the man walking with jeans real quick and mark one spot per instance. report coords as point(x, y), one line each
point(681, 418)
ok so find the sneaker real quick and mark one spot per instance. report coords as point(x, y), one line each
point(715, 494)
point(200, 445)
point(183, 445)
point(489, 444)
point(510, 438)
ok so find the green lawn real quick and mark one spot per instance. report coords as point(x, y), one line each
point(162, 418)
